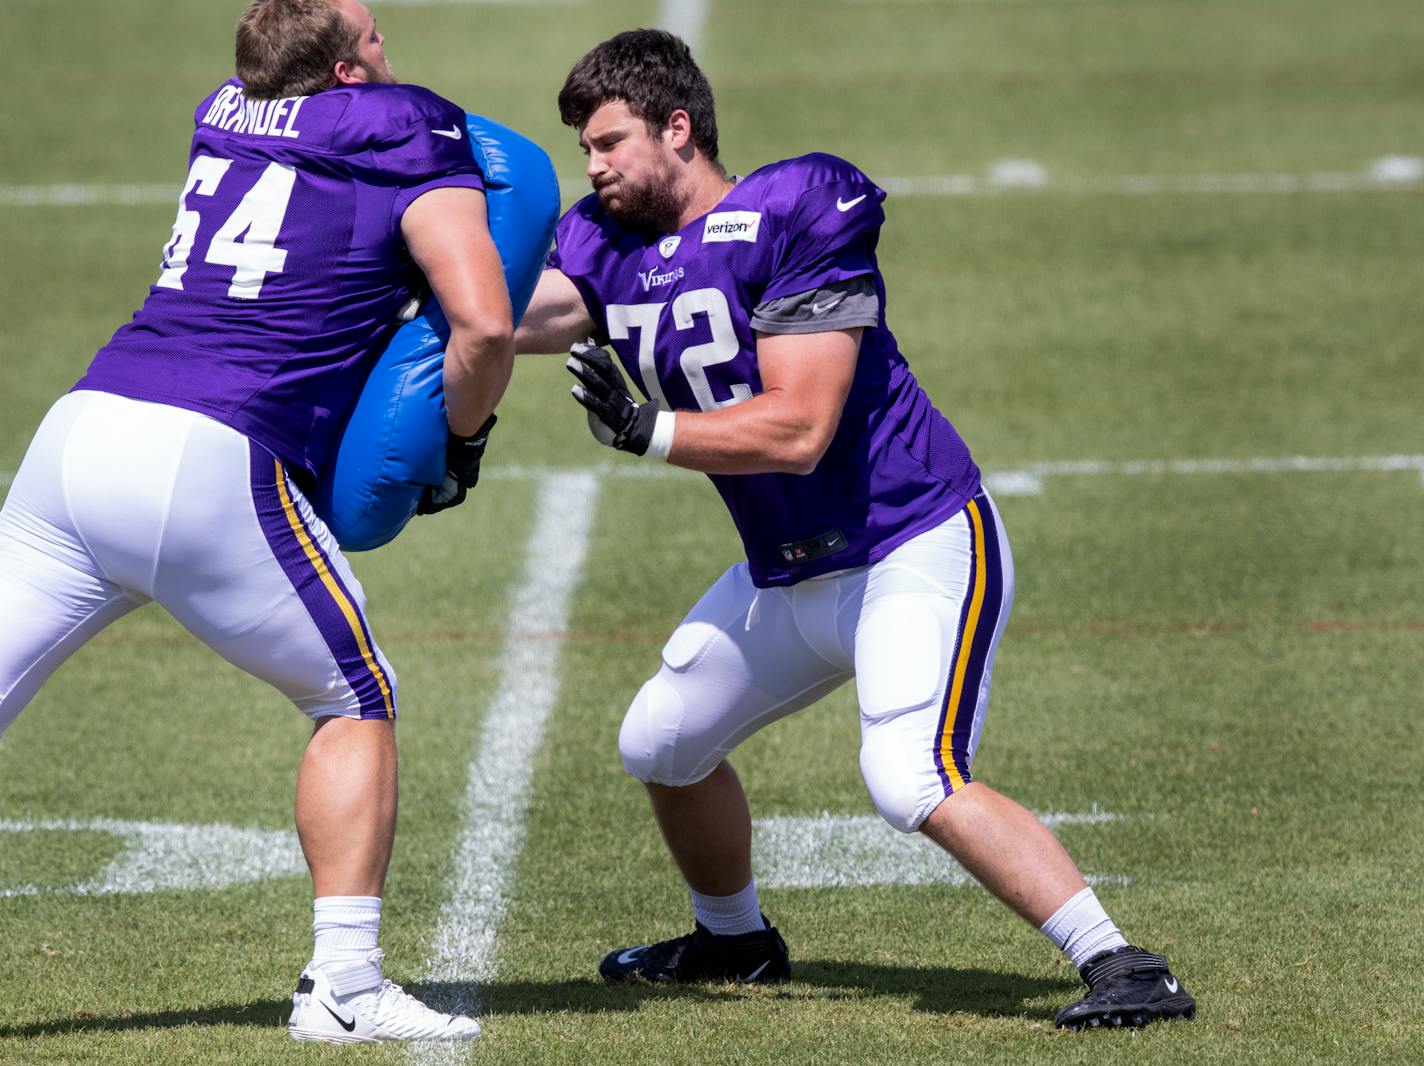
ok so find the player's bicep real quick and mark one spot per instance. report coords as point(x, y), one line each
point(557, 317)
point(810, 375)
point(447, 232)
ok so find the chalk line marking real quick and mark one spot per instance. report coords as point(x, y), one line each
point(964, 3)
point(478, 3)
point(1028, 176)
point(86, 195)
point(497, 791)
point(1029, 480)
point(685, 18)
point(1021, 481)
point(847, 851)
point(169, 855)
point(1391, 172)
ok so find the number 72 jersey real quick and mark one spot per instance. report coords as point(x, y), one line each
point(790, 249)
point(285, 270)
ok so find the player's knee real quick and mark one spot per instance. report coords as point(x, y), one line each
point(897, 787)
point(648, 740)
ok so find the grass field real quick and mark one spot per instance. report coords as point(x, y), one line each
point(1216, 647)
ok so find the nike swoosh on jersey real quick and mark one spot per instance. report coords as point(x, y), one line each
point(454, 134)
point(846, 205)
point(821, 309)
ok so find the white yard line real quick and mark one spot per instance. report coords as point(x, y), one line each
point(854, 850)
point(1029, 480)
point(160, 856)
point(1021, 481)
point(86, 195)
point(1008, 176)
point(378, 4)
point(685, 18)
point(947, 185)
point(497, 791)
point(964, 3)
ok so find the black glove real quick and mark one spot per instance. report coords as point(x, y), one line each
point(614, 417)
point(462, 470)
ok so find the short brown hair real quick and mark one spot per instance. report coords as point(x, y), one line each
point(653, 72)
point(289, 47)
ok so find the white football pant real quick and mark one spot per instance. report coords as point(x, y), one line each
point(119, 502)
point(916, 630)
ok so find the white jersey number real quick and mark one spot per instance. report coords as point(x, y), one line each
point(694, 361)
point(247, 240)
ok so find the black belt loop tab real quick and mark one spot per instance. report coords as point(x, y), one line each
point(813, 548)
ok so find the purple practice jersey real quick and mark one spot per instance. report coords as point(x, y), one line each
point(791, 249)
point(286, 270)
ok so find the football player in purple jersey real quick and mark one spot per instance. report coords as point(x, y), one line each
point(750, 313)
point(319, 191)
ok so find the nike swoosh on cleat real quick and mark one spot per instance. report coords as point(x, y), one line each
point(749, 978)
point(846, 205)
point(625, 957)
point(348, 1026)
point(1171, 983)
point(453, 133)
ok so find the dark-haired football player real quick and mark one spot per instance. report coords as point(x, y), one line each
point(750, 313)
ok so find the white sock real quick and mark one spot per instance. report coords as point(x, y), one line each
point(729, 915)
point(346, 928)
point(1083, 929)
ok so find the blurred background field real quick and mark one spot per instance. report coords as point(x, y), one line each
point(1145, 255)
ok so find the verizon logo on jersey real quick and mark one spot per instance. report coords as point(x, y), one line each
point(731, 226)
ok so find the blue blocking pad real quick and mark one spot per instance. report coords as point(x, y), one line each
point(394, 442)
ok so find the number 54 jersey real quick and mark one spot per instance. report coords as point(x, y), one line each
point(790, 249)
point(286, 270)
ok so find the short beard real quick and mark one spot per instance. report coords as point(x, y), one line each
point(383, 75)
point(653, 205)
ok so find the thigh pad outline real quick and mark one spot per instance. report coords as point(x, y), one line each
point(901, 657)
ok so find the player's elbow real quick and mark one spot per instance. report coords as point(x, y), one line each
point(802, 431)
point(803, 452)
point(492, 328)
point(487, 338)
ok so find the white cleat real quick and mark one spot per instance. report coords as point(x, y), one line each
point(354, 1004)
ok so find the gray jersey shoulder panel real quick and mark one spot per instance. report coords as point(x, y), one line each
point(848, 304)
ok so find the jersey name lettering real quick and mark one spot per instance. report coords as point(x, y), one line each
point(235, 113)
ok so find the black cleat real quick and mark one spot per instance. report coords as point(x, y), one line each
point(1127, 987)
point(747, 958)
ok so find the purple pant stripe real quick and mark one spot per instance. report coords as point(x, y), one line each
point(983, 638)
point(366, 676)
point(959, 720)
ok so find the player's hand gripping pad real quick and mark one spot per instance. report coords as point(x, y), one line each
point(394, 443)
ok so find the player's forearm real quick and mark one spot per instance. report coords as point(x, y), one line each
point(556, 318)
point(763, 435)
point(478, 364)
point(543, 334)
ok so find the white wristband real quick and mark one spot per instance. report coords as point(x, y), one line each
point(661, 443)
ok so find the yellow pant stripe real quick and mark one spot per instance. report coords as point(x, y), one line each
point(348, 609)
point(966, 646)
